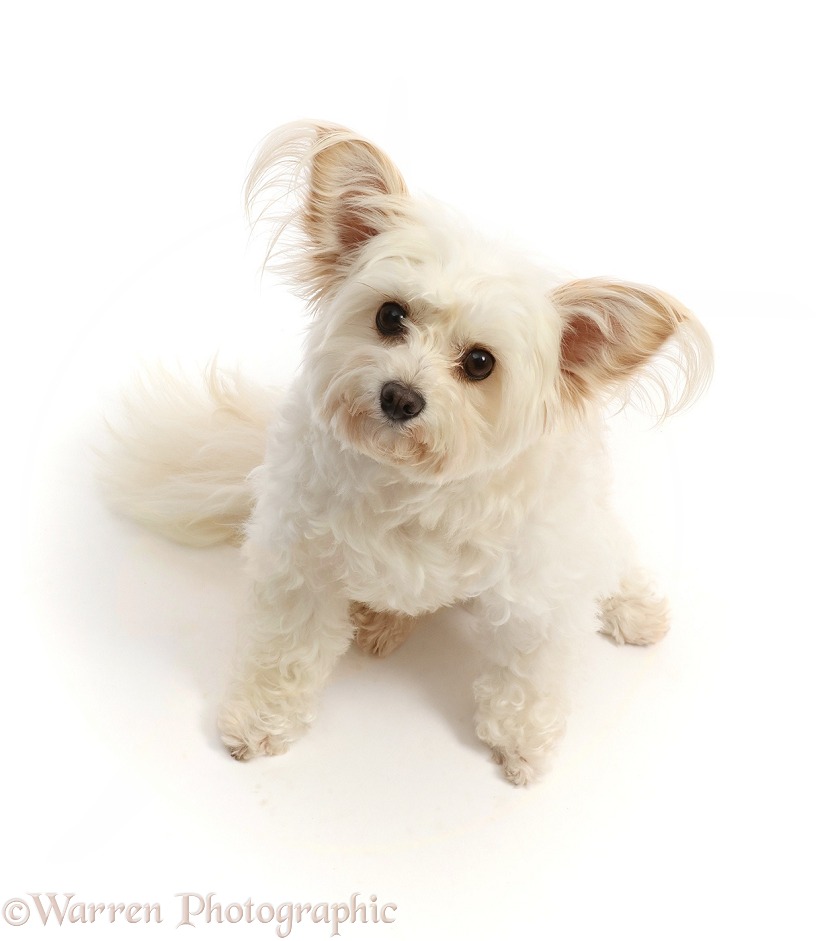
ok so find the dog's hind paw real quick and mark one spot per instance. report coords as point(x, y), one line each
point(635, 614)
point(380, 633)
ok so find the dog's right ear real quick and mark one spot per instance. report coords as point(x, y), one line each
point(335, 189)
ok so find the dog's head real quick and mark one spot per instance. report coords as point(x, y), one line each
point(432, 349)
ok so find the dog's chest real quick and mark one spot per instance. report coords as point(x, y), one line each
point(415, 557)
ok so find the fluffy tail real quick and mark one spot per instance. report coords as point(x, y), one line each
point(182, 454)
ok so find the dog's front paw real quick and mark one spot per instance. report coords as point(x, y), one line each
point(518, 769)
point(243, 750)
point(519, 723)
point(247, 736)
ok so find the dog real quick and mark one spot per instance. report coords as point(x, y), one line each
point(443, 445)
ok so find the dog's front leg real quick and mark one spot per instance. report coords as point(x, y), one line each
point(521, 704)
point(298, 632)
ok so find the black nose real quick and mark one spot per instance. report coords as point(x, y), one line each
point(400, 402)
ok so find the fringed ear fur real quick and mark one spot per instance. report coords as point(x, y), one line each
point(329, 186)
point(630, 340)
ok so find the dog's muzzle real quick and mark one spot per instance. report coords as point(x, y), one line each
point(400, 402)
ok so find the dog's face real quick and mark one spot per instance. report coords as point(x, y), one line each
point(431, 349)
point(436, 353)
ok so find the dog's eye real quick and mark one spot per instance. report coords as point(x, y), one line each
point(391, 320)
point(477, 364)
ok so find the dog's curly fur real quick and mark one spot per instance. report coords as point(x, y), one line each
point(452, 454)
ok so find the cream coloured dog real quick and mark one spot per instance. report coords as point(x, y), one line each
point(442, 445)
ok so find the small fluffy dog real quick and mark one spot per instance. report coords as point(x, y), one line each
point(442, 445)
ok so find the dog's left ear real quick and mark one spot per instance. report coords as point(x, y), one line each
point(617, 337)
point(336, 189)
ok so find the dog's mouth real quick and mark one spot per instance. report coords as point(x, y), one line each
point(366, 428)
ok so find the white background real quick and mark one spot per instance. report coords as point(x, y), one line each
point(687, 146)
